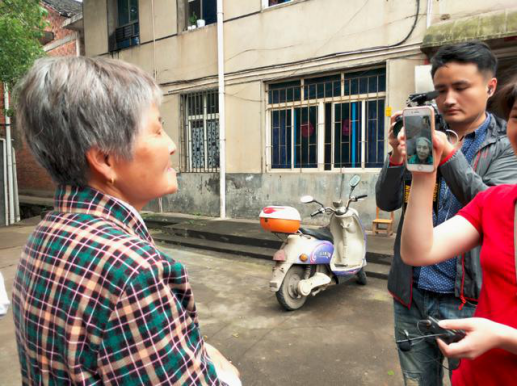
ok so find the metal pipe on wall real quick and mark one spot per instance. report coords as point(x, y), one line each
point(9, 155)
point(429, 14)
point(4, 178)
point(160, 202)
point(222, 132)
point(15, 190)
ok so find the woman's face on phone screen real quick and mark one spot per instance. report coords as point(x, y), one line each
point(422, 149)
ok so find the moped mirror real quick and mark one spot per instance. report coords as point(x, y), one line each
point(355, 180)
point(307, 199)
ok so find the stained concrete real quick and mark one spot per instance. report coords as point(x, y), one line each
point(248, 193)
point(340, 337)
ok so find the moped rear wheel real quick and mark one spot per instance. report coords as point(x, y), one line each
point(288, 295)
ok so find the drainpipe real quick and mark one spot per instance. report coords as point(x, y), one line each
point(222, 134)
point(9, 155)
point(429, 13)
point(15, 191)
point(160, 202)
point(6, 195)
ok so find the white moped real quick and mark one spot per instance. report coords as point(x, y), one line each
point(310, 260)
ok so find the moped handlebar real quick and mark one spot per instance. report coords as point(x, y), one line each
point(330, 210)
point(354, 199)
point(323, 210)
point(320, 210)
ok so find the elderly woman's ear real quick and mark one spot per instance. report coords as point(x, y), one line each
point(101, 167)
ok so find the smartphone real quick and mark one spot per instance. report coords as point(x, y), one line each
point(419, 127)
point(431, 325)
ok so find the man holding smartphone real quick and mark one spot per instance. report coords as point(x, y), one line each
point(464, 76)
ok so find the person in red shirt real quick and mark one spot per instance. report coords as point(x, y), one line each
point(488, 351)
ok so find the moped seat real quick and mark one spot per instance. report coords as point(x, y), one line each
point(319, 233)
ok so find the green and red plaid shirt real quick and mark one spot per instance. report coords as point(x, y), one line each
point(95, 302)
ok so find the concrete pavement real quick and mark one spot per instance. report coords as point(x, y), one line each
point(343, 336)
point(11, 241)
point(230, 236)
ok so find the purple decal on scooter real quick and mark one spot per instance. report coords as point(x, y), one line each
point(322, 253)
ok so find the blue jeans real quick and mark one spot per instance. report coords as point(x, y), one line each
point(422, 364)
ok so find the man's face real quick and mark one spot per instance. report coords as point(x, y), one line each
point(463, 94)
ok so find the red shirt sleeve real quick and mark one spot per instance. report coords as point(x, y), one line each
point(448, 157)
point(472, 212)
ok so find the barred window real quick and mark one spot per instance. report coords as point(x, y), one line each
point(270, 3)
point(200, 137)
point(127, 31)
point(201, 9)
point(327, 122)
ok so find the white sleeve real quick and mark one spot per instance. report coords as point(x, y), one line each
point(4, 300)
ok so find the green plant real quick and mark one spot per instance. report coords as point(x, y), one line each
point(192, 19)
point(22, 24)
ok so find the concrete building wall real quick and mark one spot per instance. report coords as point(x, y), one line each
point(162, 22)
point(298, 39)
point(453, 9)
point(170, 112)
point(245, 123)
point(95, 18)
point(308, 29)
point(248, 193)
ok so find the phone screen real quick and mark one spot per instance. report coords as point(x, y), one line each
point(418, 131)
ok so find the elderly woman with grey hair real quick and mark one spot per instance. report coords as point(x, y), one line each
point(94, 300)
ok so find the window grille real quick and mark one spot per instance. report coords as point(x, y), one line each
point(269, 3)
point(127, 31)
point(329, 122)
point(200, 137)
point(202, 9)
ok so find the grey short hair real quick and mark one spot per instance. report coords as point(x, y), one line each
point(66, 105)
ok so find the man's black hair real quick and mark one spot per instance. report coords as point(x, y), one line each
point(477, 53)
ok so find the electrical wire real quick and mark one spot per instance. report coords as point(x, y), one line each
point(310, 60)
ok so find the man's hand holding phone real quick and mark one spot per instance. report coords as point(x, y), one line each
point(396, 157)
point(442, 148)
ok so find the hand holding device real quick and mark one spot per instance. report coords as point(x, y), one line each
point(449, 336)
point(419, 123)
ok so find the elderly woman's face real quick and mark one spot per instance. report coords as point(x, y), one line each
point(149, 174)
point(422, 149)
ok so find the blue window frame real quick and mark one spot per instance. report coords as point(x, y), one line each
point(281, 138)
point(351, 107)
point(347, 135)
point(375, 144)
point(127, 31)
point(275, 2)
point(363, 82)
point(322, 87)
point(284, 92)
point(305, 132)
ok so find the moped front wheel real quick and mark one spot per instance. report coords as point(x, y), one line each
point(288, 295)
point(361, 277)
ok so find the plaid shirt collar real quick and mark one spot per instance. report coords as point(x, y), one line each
point(87, 200)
